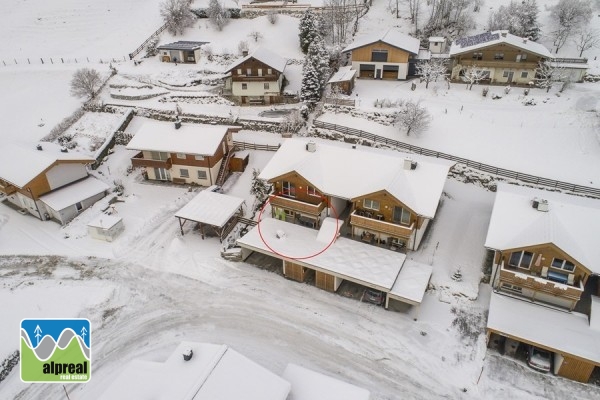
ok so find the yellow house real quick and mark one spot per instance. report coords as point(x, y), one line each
point(503, 57)
point(384, 55)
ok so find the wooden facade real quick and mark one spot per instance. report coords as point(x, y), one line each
point(254, 82)
point(576, 369)
point(325, 281)
point(294, 271)
point(380, 60)
point(395, 54)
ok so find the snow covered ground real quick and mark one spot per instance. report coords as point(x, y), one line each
point(152, 287)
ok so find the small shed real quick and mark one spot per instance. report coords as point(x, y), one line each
point(183, 51)
point(343, 80)
point(212, 210)
point(106, 227)
point(239, 161)
point(437, 44)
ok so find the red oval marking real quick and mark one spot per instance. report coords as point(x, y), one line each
point(337, 229)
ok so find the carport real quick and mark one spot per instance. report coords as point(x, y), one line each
point(344, 259)
point(211, 210)
point(411, 284)
point(569, 335)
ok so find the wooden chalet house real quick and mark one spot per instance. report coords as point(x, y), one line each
point(504, 58)
point(181, 153)
point(546, 251)
point(48, 182)
point(257, 78)
point(385, 198)
point(183, 51)
point(387, 55)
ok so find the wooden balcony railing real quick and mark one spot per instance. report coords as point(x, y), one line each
point(540, 284)
point(299, 206)
point(254, 78)
point(498, 64)
point(139, 161)
point(381, 226)
point(7, 189)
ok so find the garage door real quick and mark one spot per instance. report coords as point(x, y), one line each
point(367, 71)
point(390, 72)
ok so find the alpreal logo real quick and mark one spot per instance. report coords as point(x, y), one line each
point(55, 350)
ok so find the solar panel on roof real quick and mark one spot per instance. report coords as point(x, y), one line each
point(477, 39)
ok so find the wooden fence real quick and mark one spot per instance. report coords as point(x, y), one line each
point(340, 102)
point(537, 180)
point(254, 146)
point(141, 46)
point(61, 60)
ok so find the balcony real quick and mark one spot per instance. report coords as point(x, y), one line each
point(7, 188)
point(299, 206)
point(498, 64)
point(139, 161)
point(539, 284)
point(254, 78)
point(377, 224)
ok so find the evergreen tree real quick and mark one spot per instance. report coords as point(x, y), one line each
point(518, 17)
point(319, 57)
point(308, 29)
point(530, 24)
point(310, 91)
point(259, 187)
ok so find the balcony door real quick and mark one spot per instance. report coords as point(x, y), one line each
point(161, 174)
point(401, 216)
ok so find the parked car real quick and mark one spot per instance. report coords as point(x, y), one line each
point(539, 359)
point(373, 296)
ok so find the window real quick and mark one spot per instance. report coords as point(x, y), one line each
point(248, 71)
point(311, 191)
point(563, 264)
point(499, 56)
point(371, 204)
point(477, 56)
point(523, 56)
point(269, 71)
point(199, 158)
point(379, 55)
point(505, 74)
point(401, 215)
point(181, 155)
point(260, 72)
point(201, 174)
point(435, 44)
point(521, 259)
point(244, 86)
point(158, 155)
point(78, 206)
point(512, 288)
point(239, 71)
point(266, 85)
point(184, 173)
point(288, 189)
point(524, 74)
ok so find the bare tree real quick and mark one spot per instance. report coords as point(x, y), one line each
point(567, 16)
point(177, 15)
point(85, 83)
point(431, 70)
point(547, 74)
point(413, 117)
point(255, 35)
point(474, 75)
point(586, 39)
point(242, 46)
point(272, 17)
point(414, 8)
point(217, 15)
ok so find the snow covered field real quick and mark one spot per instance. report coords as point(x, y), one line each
point(152, 288)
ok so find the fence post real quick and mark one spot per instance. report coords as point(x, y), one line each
point(51, 60)
point(15, 60)
point(61, 60)
point(28, 62)
point(88, 59)
point(42, 60)
point(3, 63)
point(75, 61)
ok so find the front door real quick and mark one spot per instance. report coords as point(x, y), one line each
point(510, 76)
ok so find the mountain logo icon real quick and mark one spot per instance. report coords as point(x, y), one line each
point(56, 350)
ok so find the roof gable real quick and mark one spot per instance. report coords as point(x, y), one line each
point(265, 56)
point(392, 37)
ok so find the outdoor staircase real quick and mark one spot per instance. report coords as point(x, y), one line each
point(224, 170)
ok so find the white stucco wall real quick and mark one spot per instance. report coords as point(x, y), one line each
point(402, 67)
point(211, 174)
point(256, 88)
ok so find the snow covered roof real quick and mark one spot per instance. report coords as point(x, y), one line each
point(572, 223)
point(182, 45)
point(338, 170)
point(105, 221)
point(265, 56)
point(412, 282)
point(424, 54)
point(437, 39)
point(210, 208)
point(344, 74)
point(311, 385)
point(392, 36)
point(487, 39)
point(568, 65)
point(214, 372)
point(545, 326)
point(75, 192)
point(199, 139)
point(20, 164)
point(346, 258)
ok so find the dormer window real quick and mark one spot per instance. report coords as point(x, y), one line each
point(477, 56)
point(563, 264)
point(521, 259)
point(371, 204)
point(288, 189)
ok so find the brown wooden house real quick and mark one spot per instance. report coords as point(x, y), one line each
point(343, 80)
point(193, 153)
point(386, 55)
point(545, 252)
point(389, 203)
point(256, 78)
point(504, 58)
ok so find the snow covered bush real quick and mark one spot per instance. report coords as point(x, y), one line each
point(529, 102)
point(485, 91)
point(242, 46)
point(272, 17)
point(217, 15)
point(292, 123)
point(518, 17)
point(413, 117)
point(85, 83)
point(151, 47)
point(255, 35)
point(177, 16)
point(507, 90)
point(208, 52)
point(259, 188)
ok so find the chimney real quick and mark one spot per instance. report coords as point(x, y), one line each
point(524, 40)
point(187, 354)
point(64, 149)
point(244, 53)
point(503, 33)
point(409, 164)
point(39, 147)
point(177, 123)
point(539, 204)
point(311, 147)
